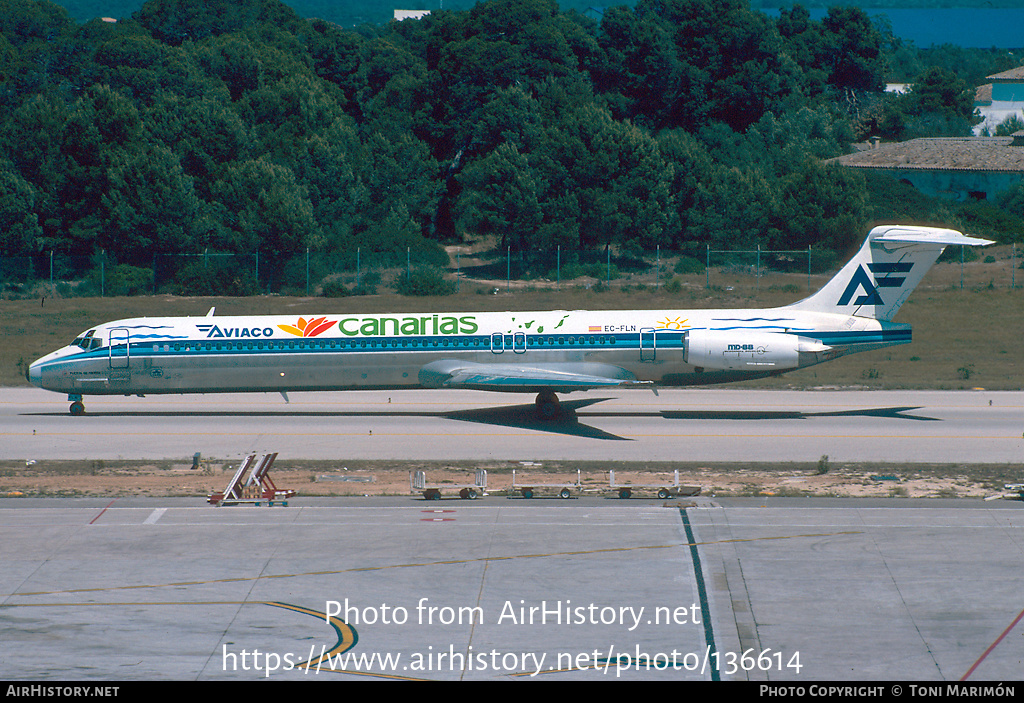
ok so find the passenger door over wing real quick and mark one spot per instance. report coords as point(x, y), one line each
point(648, 344)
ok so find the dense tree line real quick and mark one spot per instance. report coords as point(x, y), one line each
point(237, 126)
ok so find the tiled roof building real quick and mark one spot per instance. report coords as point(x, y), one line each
point(958, 168)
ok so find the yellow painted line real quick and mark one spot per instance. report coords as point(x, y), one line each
point(357, 569)
point(517, 433)
point(347, 637)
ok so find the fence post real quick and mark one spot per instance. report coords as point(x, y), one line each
point(808, 268)
point(558, 268)
point(707, 269)
point(508, 269)
point(657, 268)
point(307, 272)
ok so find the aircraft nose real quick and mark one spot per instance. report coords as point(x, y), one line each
point(34, 374)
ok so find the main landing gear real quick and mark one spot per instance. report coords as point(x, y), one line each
point(547, 406)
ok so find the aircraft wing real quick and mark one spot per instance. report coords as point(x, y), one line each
point(501, 376)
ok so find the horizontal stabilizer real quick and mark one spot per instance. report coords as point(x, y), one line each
point(930, 235)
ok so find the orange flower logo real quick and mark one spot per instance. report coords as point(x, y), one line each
point(309, 328)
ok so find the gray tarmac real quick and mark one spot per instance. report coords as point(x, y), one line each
point(696, 424)
point(797, 590)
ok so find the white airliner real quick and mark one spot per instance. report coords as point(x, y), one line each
point(525, 352)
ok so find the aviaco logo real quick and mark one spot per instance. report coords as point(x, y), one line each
point(236, 332)
point(861, 280)
point(308, 328)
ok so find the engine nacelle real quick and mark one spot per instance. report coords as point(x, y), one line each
point(747, 350)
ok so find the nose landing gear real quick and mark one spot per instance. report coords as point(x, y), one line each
point(77, 406)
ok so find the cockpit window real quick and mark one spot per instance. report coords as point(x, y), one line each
point(87, 341)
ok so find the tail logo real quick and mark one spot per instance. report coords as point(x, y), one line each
point(862, 280)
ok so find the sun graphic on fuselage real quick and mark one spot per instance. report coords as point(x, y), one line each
point(676, 323)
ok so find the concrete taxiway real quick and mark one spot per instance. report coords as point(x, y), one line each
point(794, 590)
point(765, 589)
point(695, 424)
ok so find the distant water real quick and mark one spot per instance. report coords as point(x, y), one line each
point(979, 28)
point(972, 28)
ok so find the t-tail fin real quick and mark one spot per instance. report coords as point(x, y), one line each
point(890, 264)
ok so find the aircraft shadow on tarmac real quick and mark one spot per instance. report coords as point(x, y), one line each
point(898, 413)
point(569, 423)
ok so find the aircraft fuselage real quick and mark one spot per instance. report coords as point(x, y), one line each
point(351, 351)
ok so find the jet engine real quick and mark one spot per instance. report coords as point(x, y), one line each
point(748, 350)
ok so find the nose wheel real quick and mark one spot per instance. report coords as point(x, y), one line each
point(77, 406)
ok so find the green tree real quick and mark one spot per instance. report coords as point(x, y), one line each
point(133, 63)
point(641, 75)
point(150, 206)
point(268, 211)
point(1009, 126)
point(805, 42)
point(177, 21)
point(853, 50)
point(737, 54)
point(20, 231)
point(204, 133)
point(329, 166)
point(940, 91)
point(501, 196)
point(102, 124)
point(33, 23)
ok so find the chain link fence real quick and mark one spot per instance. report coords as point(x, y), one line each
point(353, 273)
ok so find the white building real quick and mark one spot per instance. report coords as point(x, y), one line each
point(410, 14)
point(1000, 99)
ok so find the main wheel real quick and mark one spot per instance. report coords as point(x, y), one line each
point(78, 408)
point(547, 406)
point(564, 493)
